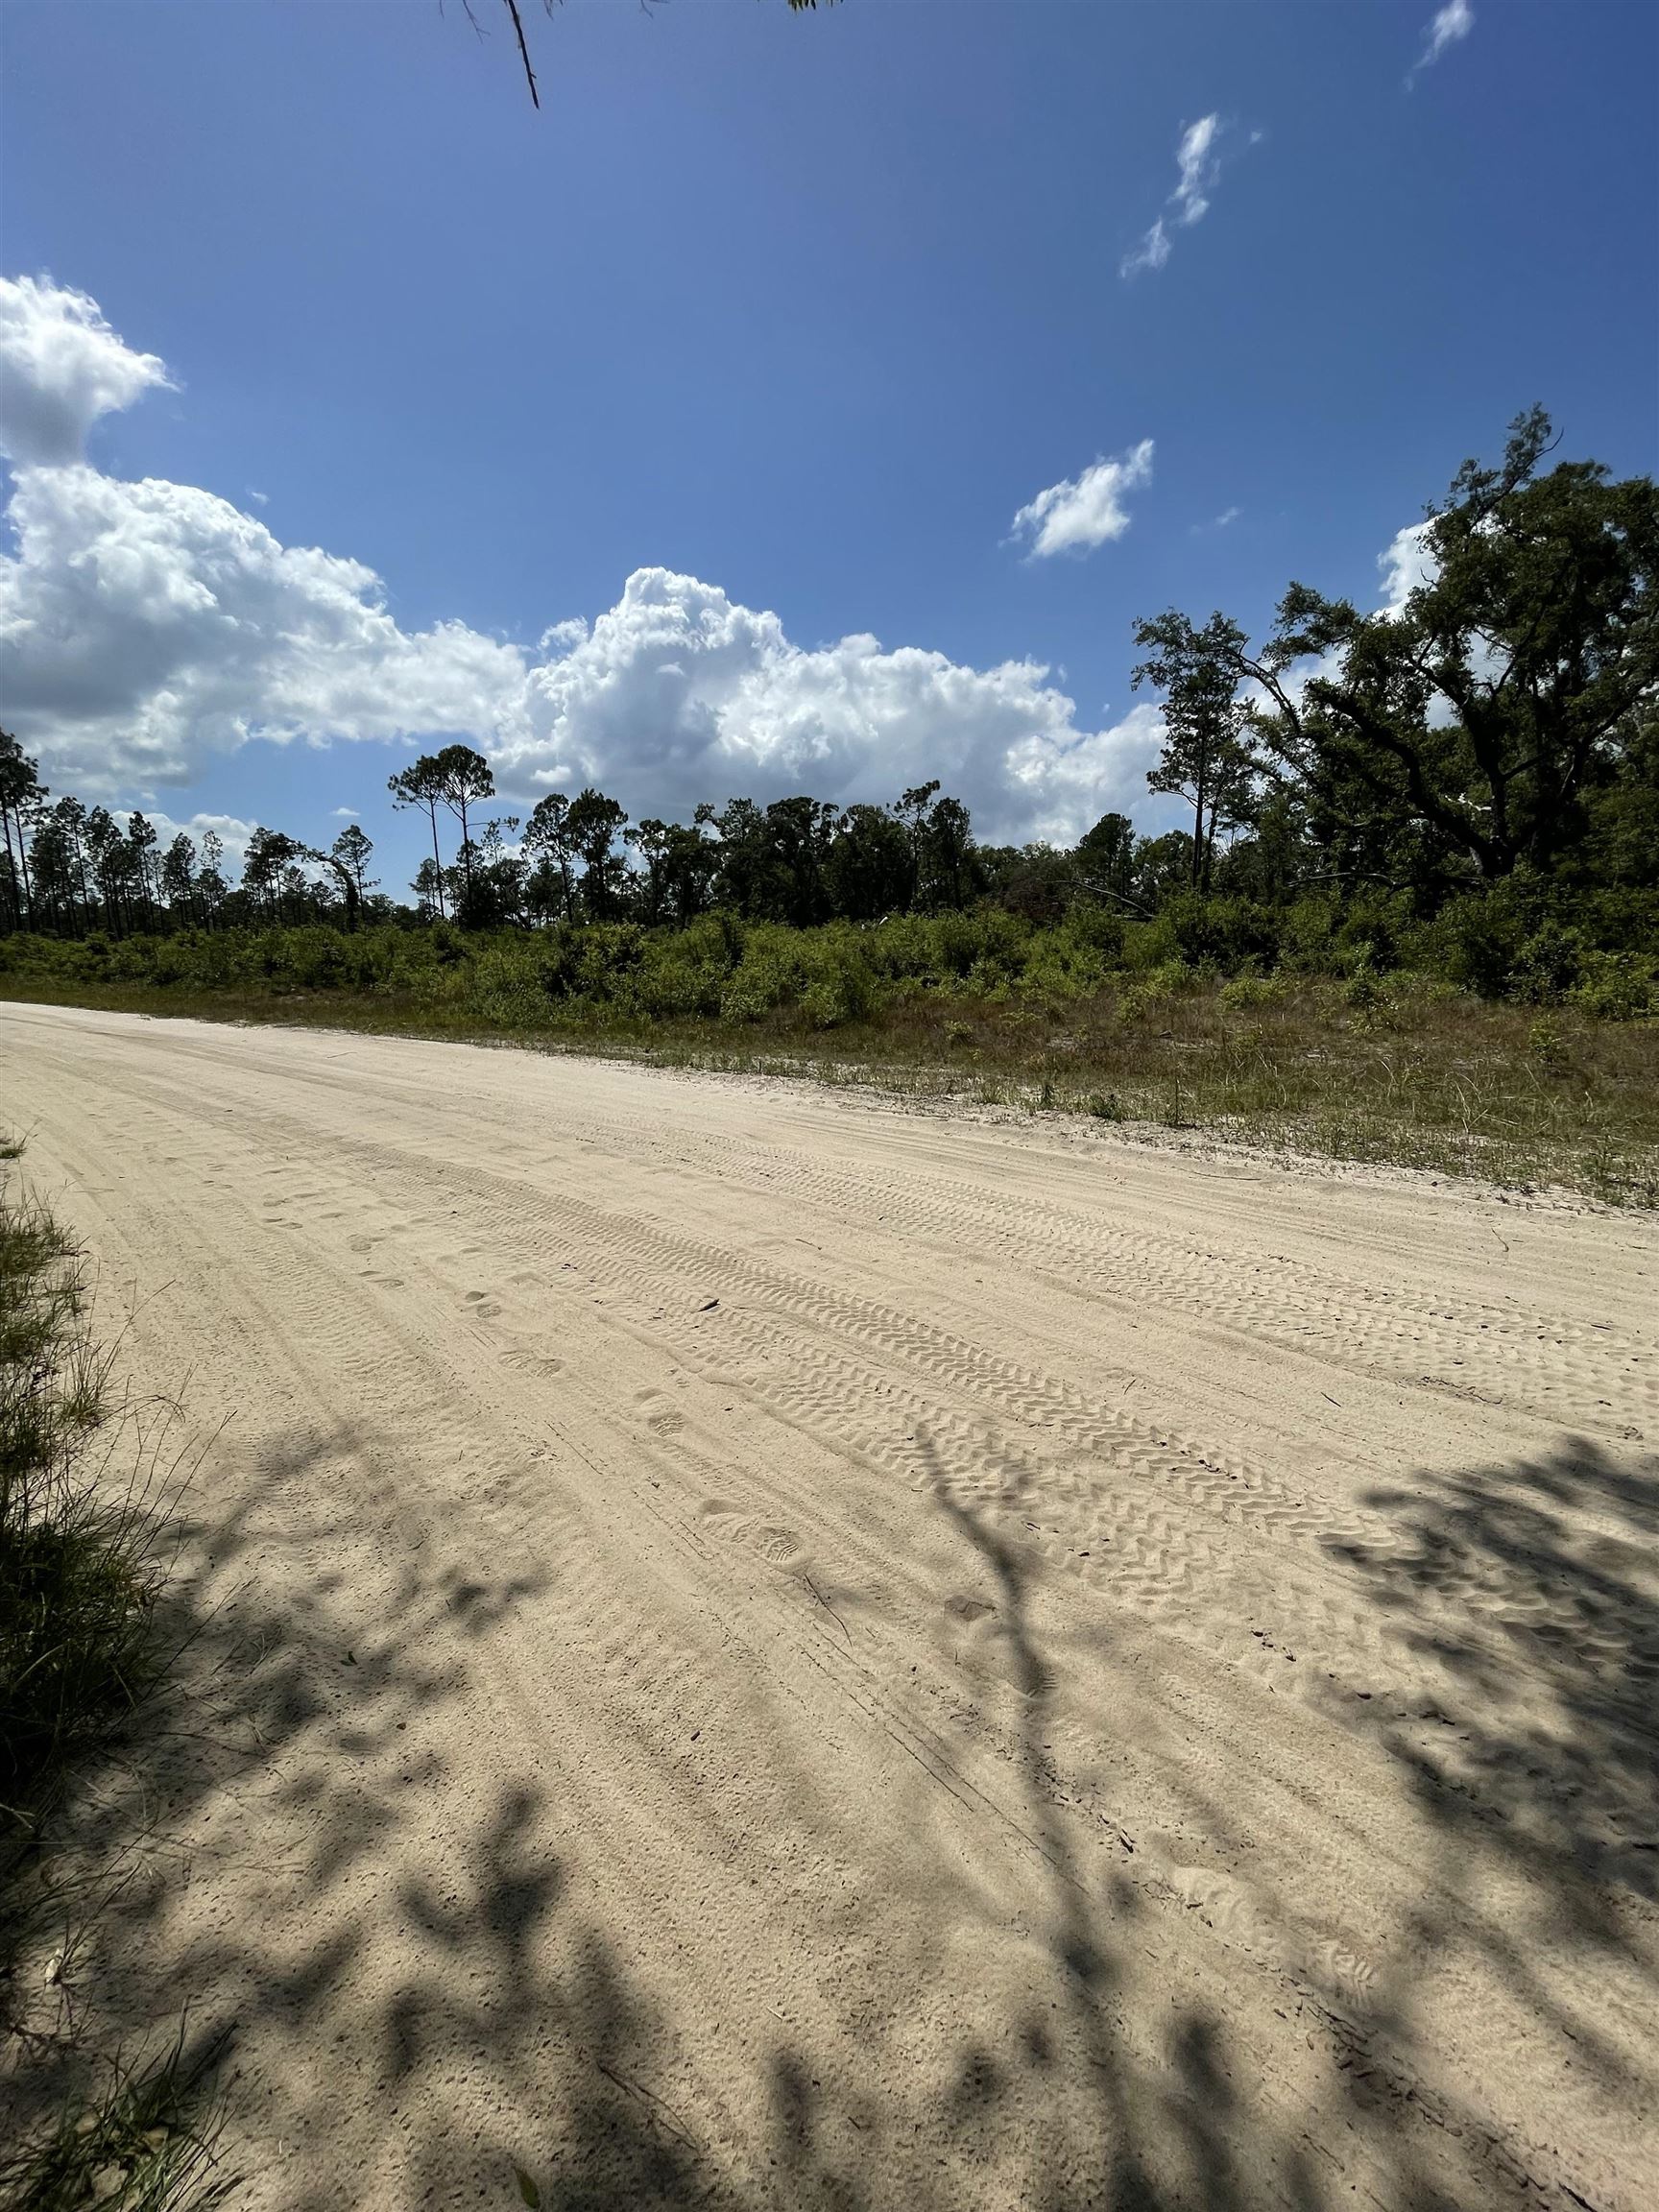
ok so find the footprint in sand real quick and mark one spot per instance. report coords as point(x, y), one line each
point(968, 1609)
point(778, 1547)
point(525, 1360)
point(659, 1416)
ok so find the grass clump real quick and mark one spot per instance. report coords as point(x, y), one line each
point(81, 1561)
point(145, 2141)
point(85, 1557)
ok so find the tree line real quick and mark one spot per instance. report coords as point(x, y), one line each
point(1501, 724)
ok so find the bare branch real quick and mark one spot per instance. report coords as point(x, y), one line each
point(512, 7)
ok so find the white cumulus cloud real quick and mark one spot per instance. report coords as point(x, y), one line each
point(231, 832)
point(147, 626)
point(1408, 560)
point(1198, 166)
point(679, 694)
point(60, 368)
point(1085, 510)
point(144, 626)
point(1454, 21)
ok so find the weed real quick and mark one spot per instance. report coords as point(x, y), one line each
point(145, 2141)
point(80, 1560)
point(1545, 1045)
point(83, 1561)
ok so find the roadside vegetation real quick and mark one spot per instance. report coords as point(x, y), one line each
point(84, 1555)
point(1411, 912)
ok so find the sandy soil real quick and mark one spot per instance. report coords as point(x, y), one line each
point(764, 1650)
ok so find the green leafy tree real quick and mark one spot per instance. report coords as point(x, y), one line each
point(690, 865)
point(347, 860)
point(465, 782)
point(428, 889)
point(423, 786)
point(594, 826)
point(1036, 881)
point(552, 852)
point(798, 833)
point(1464, 731)
point(178, 867)
point(212, 888)
point(60, 895)
point(1163, 867)
point(492, 879)
point(1206, 758)
point(60, 839)
point(268, 870)
point(22, 794)
point(108, 853)
point(870, 869)
point(650, 839)
point(1106, 860)
point(941, 840)
point(352, 850)
point(745, 856)
point(141, 841)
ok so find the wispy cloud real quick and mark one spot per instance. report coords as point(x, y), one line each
point(1454, 21)
point(1198, 166)
point(1085, 510)
point(1227, 515)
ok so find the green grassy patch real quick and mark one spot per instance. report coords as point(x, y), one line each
point(1394, 1067)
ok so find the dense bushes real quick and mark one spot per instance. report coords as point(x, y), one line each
point(1517, 941)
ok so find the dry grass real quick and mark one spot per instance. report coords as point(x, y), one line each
point(1387, 1071)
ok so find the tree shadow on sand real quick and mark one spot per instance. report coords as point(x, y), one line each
point(1529, 1595)
point(463, 2031)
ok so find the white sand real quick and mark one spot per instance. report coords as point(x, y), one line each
point(787, 1652)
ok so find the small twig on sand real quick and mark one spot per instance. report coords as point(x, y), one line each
point(827, 1608)
point(638, 2089)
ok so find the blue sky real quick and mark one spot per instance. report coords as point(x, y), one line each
point(804, 308)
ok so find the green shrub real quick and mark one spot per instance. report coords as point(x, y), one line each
point(1098, 927)
point(1546, 1046)
point(1618, 986)
point(1246, 992)
point(1060, 966)
point(1225, 932)
point(1147, 993)
point(771, 973)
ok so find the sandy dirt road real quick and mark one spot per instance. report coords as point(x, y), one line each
point(768, 1649)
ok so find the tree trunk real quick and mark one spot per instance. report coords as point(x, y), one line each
point(437, 861)
point(1198, 838)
